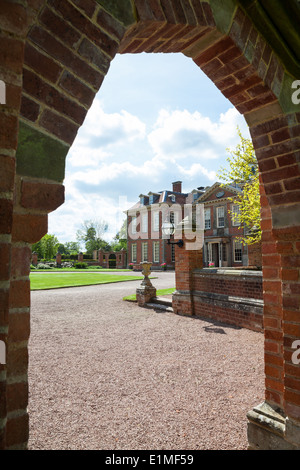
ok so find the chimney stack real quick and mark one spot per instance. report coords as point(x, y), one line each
point(177, 187)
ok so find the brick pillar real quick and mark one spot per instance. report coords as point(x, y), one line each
point(58, 260)
point(187, 259)
point(80, 257)
point(14, 23)
point(100, 257)
point(275, 424)
point(34, 259)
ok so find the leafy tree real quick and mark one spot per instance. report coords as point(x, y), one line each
point(61, 249)
point(72, 247)
point(46, 247)
point(91, 234)
point(120, 240)
point(243, 170)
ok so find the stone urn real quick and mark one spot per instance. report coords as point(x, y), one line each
point(146, 273)
point(146, 291)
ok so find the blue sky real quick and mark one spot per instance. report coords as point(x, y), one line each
point(156, 119)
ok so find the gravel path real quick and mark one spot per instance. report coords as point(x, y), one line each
point(107, 374)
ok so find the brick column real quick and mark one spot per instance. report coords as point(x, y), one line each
point(275, 424)
point(58, 260)
point(100, 257)
point(187, 259)
point(34, 259)
point(14, 26)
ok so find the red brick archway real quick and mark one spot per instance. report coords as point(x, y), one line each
point(54, 56)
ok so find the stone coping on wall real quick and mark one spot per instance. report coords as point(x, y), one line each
point(229, 295)
point(231, 271)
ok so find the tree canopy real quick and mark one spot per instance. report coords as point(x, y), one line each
point(47, 247)
point(91, 234)
point(243, 171)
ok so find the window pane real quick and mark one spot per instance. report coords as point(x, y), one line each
point(220, 215)
point(236, 215)
point(133, 253)
point(156, 252)
point(207, 218)
point(173, 254)
point(156, 222)
point(145, 223)
point(144, 252)
point(237, 251)
point(133, 224)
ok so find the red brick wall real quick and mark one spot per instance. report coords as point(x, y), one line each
point(233, 297)
point(63, 51)
point(229, 282)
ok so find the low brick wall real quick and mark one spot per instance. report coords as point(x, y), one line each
point(228, 295)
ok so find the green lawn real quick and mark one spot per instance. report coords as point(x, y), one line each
point(46, 280)
point(89, 269)
point(132, 298)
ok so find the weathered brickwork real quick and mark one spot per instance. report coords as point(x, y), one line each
point(53, 58)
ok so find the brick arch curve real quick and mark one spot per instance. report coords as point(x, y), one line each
point(59, 55)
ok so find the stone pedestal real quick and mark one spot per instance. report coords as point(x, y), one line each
point(269, 429)
point(146, 291)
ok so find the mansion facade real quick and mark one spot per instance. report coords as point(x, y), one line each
point(146, 240)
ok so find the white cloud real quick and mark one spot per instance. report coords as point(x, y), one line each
point(113, 157)
point(101, 133)
point(180, 135)
point(197, 170)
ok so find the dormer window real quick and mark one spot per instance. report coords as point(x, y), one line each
point(173, 198)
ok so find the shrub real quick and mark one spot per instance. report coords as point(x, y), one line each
point(44, 266)
point(66, 264)
point(80, 265)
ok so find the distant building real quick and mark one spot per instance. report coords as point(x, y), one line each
point(145, 240)
point(221, 232)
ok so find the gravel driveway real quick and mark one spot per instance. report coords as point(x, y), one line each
point(107, 374)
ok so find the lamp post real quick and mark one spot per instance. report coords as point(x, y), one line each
point(168, 229)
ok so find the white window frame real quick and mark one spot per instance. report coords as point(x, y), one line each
point(220, 209)
point(207, 225)
point(133, 252)
point(144, 222)
point(144, 252)
point(235, 251)
point(156, 221)
point(155, 252)
point(133, 224)
point(235, 209)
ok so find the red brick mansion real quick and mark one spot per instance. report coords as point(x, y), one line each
point(147, 218)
